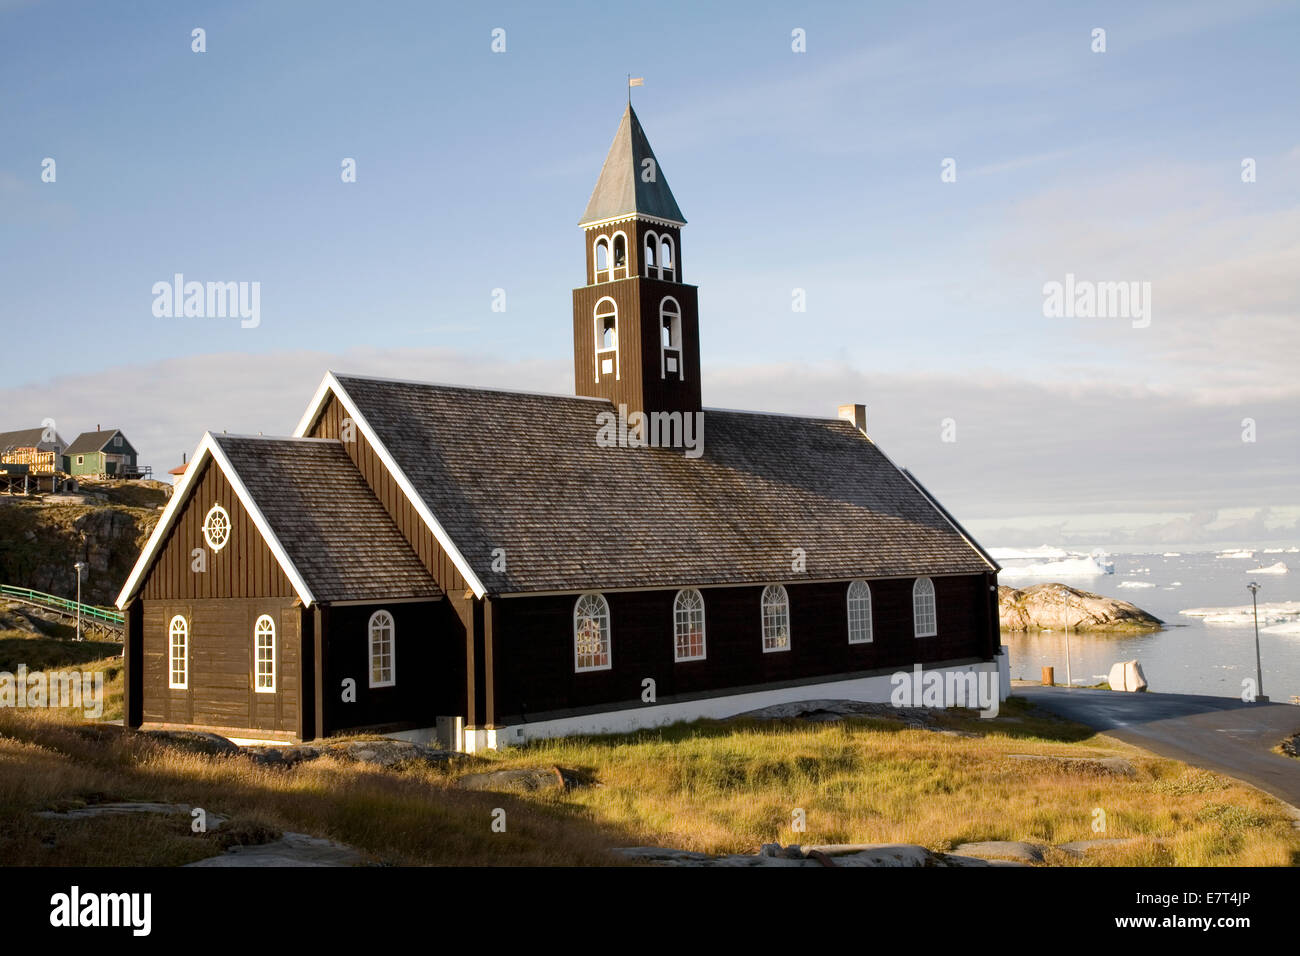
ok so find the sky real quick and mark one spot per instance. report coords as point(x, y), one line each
point(921, 171)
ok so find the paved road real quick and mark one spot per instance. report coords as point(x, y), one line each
point(1217, 733)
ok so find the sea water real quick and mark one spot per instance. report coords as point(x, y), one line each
point(1190, 654)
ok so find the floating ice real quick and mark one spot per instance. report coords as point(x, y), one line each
point(1279, 568)
point(1135, 584)
point(1096, 563)
point(1236, 555)
point(1018, 554)
point(1276, 612)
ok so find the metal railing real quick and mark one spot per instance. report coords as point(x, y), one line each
point(52, 602)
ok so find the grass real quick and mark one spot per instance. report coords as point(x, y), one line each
point(710, 786)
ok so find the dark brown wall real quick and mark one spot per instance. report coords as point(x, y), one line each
point(245, 567)
point(533, 654)
point(429, 647)
point(638, 385)
point(220, 692)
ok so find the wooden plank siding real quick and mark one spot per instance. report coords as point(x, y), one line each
point(638, 383)
point(221, 682)
point(244, 568)
point(533, 662)
point(429, 657)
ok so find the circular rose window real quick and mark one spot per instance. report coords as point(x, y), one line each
point(216, 528)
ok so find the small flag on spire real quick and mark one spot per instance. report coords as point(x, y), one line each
point(635, 81)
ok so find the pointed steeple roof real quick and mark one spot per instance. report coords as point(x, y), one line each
point(621, 190)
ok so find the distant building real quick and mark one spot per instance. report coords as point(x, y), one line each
point(102, 454)
point(40, 449)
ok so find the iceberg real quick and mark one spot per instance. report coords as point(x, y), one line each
point(1071, 567)
point(1236, 555)
point(1276, 612)
point(1019, 554)
point(1135, 584)
point(1279, 568)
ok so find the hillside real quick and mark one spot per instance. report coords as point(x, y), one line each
point(1059, 607)
point(105, 526)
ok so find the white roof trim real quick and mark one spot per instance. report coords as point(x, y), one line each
point(209, 447)
point(625, 216)
point(330, 384)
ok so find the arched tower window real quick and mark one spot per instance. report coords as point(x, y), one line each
point(667, 259)
point(688, 625)
point(670, 339)
point(776, 619)
point(602, 259)
point(591, 633)
point(651, 255)
point(859, 613)
point(925, 621)
point(606, 338)
point(620, 255)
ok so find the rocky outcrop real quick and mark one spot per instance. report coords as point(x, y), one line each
point(1059, 607)
point(40, 543)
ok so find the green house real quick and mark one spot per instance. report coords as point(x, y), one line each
point(101, 453)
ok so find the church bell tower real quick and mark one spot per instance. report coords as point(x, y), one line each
point(635, 323)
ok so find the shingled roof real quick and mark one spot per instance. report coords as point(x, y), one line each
point(23, 438)
point(621, 189)
point(333, 529)
point(524, 472)
point(87, 443)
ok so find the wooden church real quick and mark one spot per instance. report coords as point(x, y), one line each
point(487, 567)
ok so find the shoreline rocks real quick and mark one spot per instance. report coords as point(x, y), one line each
point(1059, 607)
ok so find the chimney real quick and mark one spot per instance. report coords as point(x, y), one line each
point(96, 428)
point(184, 455)
point(857, 414)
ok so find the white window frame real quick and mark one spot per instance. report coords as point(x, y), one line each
point(595, 258)
point(682, 625)
point(925, 620)
point(217, 511)
point(666, 271)
point(258, 633)
point(184, 633)
point(776, 625)
point(858, 606)
point(602, 353)
point(651, 242)
point(591, 606)
point(614, 267)
point(372, 626)
point(675, 333)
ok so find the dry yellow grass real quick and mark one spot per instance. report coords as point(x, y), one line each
point(711, 786)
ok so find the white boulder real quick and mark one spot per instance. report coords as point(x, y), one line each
point(1127, 675)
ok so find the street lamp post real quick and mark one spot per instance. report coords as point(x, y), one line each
point(1259, 673)
point(80, 567)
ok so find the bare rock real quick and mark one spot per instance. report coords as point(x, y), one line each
point(528, 779)
point(1059, 607)
point(201, 742)
point(1003, 850)
point(1089, 766)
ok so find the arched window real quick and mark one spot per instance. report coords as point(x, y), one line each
point(688, 625)
point(606, 338)
point(620, 255)
point(178, 671)
point(776, 619)
point(591, 633)
point(670, 334)
point(859, 613)
point(924, 619)
point(264, 654)
point(602, 259)
point(651, 255)
point(383, 653)
point(667, 261)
